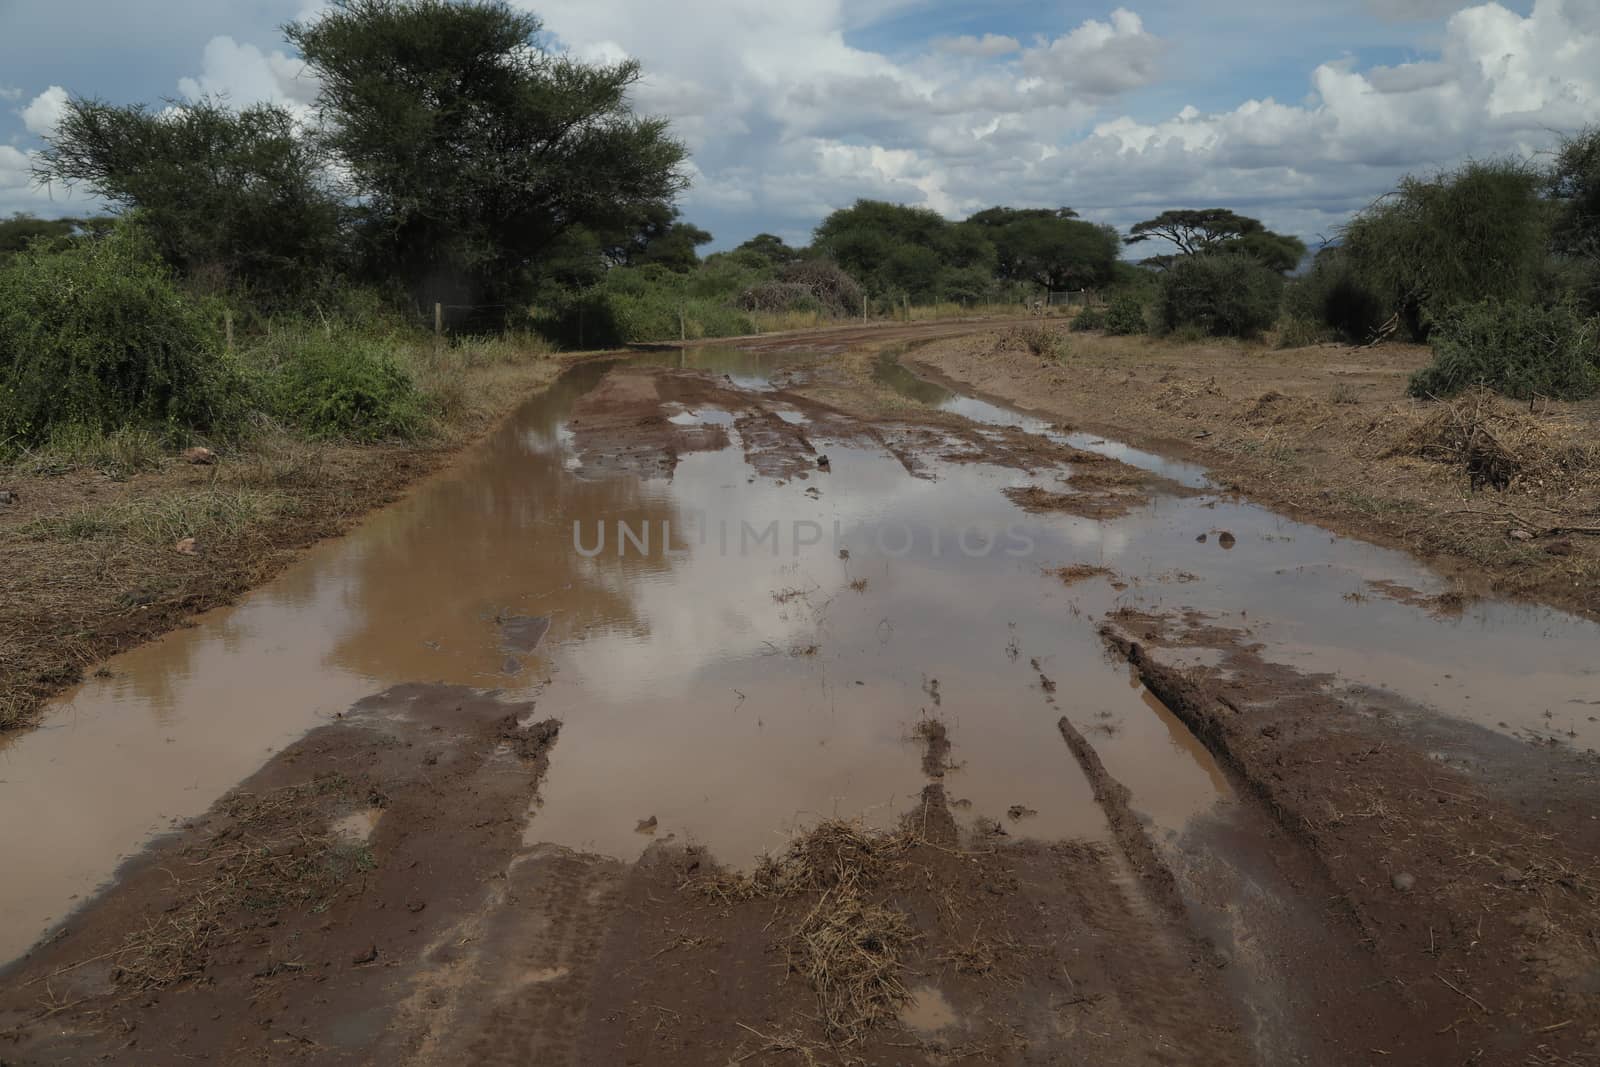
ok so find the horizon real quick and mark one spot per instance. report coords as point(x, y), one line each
point(1118, 112)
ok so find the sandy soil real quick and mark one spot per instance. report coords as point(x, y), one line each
point(1327, 434)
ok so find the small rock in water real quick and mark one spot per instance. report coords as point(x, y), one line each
point(822, 462)
point(1226, 539)
point(1404, 882)
point(1201, 539)
point(646, 826)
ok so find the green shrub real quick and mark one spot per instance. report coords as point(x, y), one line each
point(1331, 294)
point(96, 335)
point(1516, 349)
point(643, 304)
point(1089, 319)
point(1480, 232)
point(339, 383)
point(1222, 295)
point(1125, 316)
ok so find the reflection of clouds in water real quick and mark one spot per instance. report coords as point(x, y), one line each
point(720, 606)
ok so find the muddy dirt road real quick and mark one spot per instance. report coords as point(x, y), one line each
point(729, 707)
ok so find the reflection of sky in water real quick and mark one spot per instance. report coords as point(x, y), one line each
point(1290, 583)
point(678, 676)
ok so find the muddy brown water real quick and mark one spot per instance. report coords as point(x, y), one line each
point(743, 656)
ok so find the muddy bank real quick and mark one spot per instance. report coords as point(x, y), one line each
point(916, 947)
point(1326, 434)
point(1466, 861)
point(312, 913)
point(90, 565)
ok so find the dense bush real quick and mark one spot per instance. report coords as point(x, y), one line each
point(1331, 294)
point(338, 383)
point(1221, 295)
point(1516, 349)
point(1090, 318)
point(97, 336)
point(1125, 316)
point(643, 304)
point(1478, 233)
point(808, 285)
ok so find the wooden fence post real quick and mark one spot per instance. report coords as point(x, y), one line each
point(438, 323)
point(227, 328)
point(683, 328)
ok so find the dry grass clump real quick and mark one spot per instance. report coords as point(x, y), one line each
point(1273, 408)
point(1042, 341)
point(1497, 443)
point(1184, 397)
point(274, 853)
point(849, 943)
point(161, 518)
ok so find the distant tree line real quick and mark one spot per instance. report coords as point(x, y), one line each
point(451, 159)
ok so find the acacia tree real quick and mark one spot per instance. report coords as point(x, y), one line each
point(473, 150)
point(894, 248)
point(1049, 247)
point(237, 195)
point(1193, 231)
point(654, 234)
point(1479, 232)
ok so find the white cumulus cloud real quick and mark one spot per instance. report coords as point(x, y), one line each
point(788, 119)
point(243, 74)
point(44, 111)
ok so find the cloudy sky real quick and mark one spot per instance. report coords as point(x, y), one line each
point(1296, 112)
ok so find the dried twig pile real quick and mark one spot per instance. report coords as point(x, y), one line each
point(849, 943)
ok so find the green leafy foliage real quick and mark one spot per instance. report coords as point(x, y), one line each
point(23, 231)
point(1052, 248)
point(651, 303)
point(1191, 232)
point(475, 150)
point(1516, 349)
point(97, 335)
point(1220, 295)
point(1332, 295)
point(896, 250)
point(1090, 318)
point(1125, 315)
point(235, 199)
point(1575, 189)
point(1477, 233)
point(341, 383)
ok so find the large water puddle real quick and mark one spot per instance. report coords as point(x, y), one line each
point(1328, 605)
point(744, 654)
